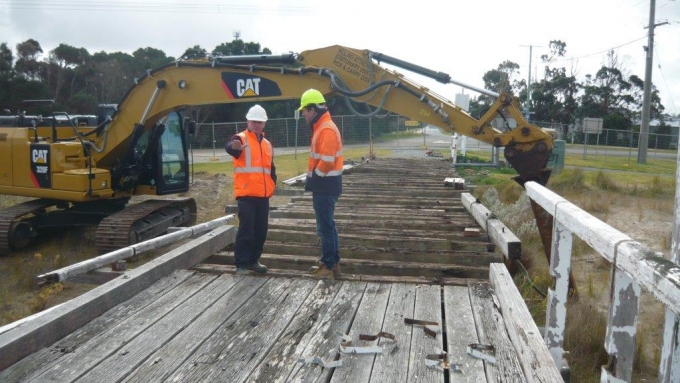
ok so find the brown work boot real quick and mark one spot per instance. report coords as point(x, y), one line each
point(336, 269)
point(321, 272)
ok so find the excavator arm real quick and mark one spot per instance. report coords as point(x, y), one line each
point(355, 74)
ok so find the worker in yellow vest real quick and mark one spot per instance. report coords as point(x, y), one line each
point(254, 184)
point(324, 180)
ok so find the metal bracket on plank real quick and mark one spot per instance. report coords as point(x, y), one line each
point(482, 351)
point(347, 348)
point(319, 360)
point(430, 328)
point(441, 359)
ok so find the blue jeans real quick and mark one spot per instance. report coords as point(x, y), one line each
point(324, 207)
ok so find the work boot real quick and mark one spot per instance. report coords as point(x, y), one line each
point(258, 268)
point(322, 272)
point(336, 269)
point(242, 271)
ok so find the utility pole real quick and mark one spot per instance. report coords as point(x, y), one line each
point(527, 105)
point(646, 96)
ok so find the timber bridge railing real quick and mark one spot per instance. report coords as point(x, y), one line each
point(633, 266)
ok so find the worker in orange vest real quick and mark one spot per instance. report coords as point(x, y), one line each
point(324, 180)
point(254, 184)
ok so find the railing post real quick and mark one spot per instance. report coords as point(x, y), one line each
point(669, 368)
point(556, 312)
point(619, 342)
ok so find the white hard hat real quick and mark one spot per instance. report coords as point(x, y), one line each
point(256, 113)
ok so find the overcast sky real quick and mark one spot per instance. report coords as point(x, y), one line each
point(463, 39)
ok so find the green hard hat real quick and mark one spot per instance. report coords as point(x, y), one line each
point(311, 96)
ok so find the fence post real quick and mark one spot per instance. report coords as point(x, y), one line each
point(214, 157)
point(556, 312)
point(669, 368)
point(619, 342)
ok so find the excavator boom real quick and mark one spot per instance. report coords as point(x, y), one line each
point(140, 149)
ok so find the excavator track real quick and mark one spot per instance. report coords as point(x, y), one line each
point(10, 218)
point(143, 221)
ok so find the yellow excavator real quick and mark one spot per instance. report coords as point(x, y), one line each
point(85, 175)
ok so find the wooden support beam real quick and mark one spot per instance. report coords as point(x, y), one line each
point(507, 242)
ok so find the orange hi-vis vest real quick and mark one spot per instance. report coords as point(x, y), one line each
point(325, 154)
point(252, 169)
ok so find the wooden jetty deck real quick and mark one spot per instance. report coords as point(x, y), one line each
point(185, 318)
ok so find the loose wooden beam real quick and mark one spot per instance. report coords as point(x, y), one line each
point(130, 251)
point(507, 242)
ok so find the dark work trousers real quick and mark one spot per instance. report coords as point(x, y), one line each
point(253, 216)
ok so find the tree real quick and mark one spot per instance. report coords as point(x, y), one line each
point(27, 64)
point(65, 61)
point(502, 79)
point(194, 53)
point(554, 97)
point(6, 74)
point(239, 48)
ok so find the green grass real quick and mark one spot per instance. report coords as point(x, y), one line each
point(287, 166)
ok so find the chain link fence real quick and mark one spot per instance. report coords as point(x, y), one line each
point(403, 137)
point(408, 139)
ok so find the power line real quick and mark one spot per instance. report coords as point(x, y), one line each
point(604, 51)
point(670, 94)
point(129, 6)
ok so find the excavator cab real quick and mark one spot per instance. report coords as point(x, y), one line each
point(159, 158)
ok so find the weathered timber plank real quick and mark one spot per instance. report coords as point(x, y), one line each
point(371, 197)
point(428, 308)
point(387, 223)
point(325, 341)
point(414, 243)
point(30, 366)
point(137, 351)
point(70, 316)
point(180, 348)
point(392, 365)
point(369, 267)
point(86, 356)
point(491, 330)
point(443, 257)
point(444, 281)
point(382, 209)
point(367, 215)
point(506, 240)
point(276, 320)
point(240, 344)
point(368, 321)
point(453, 233)
point(283, 356)
point(460, 332)
point(534, 356)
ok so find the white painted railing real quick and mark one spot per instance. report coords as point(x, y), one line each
point(633, 266)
